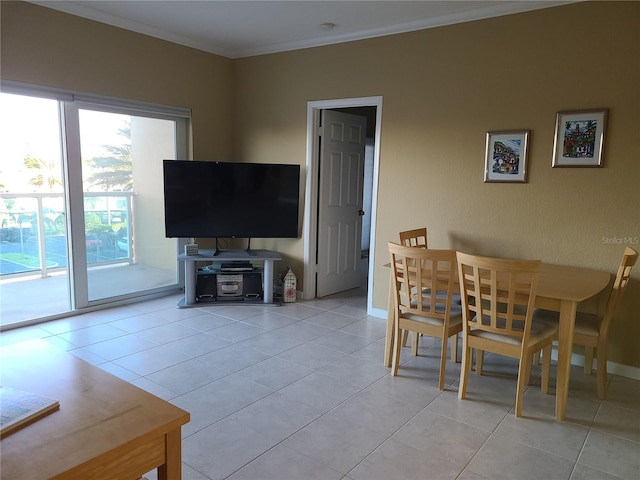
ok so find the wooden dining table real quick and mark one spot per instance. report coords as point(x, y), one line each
point(560, 288)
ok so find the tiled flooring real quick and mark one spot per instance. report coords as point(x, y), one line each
point(299, 392)
point(30, 297)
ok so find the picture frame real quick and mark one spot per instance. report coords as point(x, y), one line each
point(579, 138)
point(506, 156)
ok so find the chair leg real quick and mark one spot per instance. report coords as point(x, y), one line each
point(546, 365)
point(479, 361)
point(454, 348)
point(464, 369)
point(536, 358)
point(528, 361)
point(395, 358)
point(588, 359)
point(523, 367)
point(405, 336)
point(443, 362)
point(601, 372)
point(414, 343)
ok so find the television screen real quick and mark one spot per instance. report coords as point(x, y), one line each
point(230, 200)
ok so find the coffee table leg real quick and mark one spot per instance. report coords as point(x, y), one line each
point(172, 469)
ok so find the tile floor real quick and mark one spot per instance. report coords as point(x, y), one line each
point(299, 392)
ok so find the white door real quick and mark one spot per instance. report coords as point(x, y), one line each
point(342, 145)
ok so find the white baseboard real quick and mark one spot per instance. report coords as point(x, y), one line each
point(612, 367)
point(576, 359)
point(377, 312)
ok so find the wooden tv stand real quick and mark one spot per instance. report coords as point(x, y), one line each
point(266, 256)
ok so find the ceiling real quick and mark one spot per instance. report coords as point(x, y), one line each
point(242, 28)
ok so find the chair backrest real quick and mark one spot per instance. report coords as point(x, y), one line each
point(500, 292)
point(414, 238)
point(629, 258)
point(424, 280)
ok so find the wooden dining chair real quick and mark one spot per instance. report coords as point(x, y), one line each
point(592, 330)
point(414, 238)
point(416, 274)
point(498, 298)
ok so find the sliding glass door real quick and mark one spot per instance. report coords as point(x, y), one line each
point(93, 216)
point(123, 203)
point(33, 215)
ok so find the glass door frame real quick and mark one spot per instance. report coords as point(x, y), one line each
point(72, 160)
point(69, 107)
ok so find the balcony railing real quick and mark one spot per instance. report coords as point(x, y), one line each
point(33, 231)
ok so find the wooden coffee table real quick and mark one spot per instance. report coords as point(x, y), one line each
point(105, 428)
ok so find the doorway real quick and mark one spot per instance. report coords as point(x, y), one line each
point(372, 108)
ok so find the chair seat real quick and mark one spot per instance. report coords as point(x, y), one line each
point(454, 319)
point(455, 297)
point(454, 310)
point(539, 332)
point(587, 324)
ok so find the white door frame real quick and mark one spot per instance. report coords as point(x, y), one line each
point(311, 191)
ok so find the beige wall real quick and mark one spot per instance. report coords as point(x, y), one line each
point(45, 47)
point(442, 90)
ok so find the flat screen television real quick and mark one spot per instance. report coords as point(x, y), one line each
point(230, 200)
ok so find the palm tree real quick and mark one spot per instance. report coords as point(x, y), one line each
point(590, 126)
point(114, 172)
point(49, 172)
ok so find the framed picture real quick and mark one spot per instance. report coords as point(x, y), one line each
point(579, 139)
point(506, 156)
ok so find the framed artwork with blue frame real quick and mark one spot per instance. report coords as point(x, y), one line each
point(506, 156)
point(579, 138)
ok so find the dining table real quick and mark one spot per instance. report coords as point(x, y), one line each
point(560, 288)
